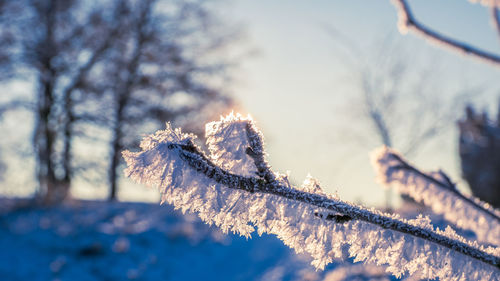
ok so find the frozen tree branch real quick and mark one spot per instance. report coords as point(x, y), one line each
point(15, 104)
point(408, 22)
point(235, 189)
point(196, 159)
point(437, 191)
point(487, 3)
point(495, 18)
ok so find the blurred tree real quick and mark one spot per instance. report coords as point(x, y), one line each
point(160, 71)
point(479, 144)
point(395, 95)
point(479, 137)
point(113, 66)
point(57, 42)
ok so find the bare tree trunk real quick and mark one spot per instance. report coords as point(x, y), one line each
point(44, 135)
point(44, 140)
point(123, 98)
point(68, 138)
point(52, 190)
point(116, 148)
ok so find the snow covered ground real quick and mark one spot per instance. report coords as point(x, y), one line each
point(93, 240)
point(90, 240)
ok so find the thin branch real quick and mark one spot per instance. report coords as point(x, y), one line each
point(15, 105)
point(407, 20)
point(256, 152)
point(495, 17)
point(448, 185)
point(197, 160)
point(99, 120)
point(87, 66)
point(420, 140)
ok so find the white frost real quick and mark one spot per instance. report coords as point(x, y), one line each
point(445, 201)
point(300, 225)
point(227, 143)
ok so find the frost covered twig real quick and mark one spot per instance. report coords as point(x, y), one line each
point(408, 22)
point(495, 18)
point(437, 191)
point(195, 158)
point(235, 189)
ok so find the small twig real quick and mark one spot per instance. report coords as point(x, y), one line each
point(407, 19)
point(495, 18)
point(256, 152)
point(198, 161)
point(335, 218)
point(448, 185)
point(15, 105)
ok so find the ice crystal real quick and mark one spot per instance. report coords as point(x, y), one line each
point(227, 142)
point(437, 191)
point(235, 190)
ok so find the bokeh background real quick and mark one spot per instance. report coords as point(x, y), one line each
point(326, 81)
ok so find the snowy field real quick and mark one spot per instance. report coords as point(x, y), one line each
point(89, 240)
point(92, 240)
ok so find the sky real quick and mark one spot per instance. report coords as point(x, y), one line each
point(296, 84)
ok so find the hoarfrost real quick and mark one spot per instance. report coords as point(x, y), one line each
point(358, 272)
point(228, 143)
point(235, 190)
point(437, 191)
